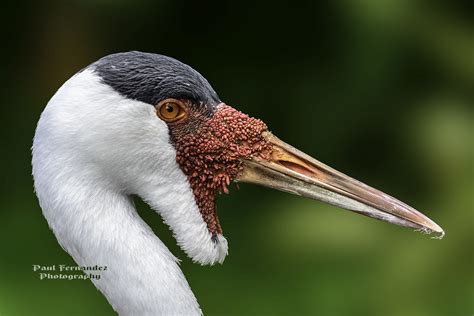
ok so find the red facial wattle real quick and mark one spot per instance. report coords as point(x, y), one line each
point(210, 152)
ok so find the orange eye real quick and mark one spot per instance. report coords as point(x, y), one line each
point(171, 110)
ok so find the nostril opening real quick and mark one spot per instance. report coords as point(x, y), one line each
point(297, 168)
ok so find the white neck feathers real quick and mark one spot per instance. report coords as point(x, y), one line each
point(93, 148)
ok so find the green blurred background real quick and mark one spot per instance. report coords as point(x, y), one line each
point(381, 90)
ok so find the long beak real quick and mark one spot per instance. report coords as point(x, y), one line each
point(291, 170)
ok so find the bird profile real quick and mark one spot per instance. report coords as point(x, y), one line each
point(148, 125)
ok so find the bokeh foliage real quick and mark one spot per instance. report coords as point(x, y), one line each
point(381, 90)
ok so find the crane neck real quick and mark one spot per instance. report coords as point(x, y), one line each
point(99, 225)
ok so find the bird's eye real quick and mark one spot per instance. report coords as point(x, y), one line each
point(171, 110)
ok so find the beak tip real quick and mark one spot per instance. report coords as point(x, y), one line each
point(432, 227)
point(439, 231)
point(440, 236)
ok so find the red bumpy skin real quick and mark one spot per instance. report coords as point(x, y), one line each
point(210, 152)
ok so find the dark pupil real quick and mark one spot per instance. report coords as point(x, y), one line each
point(169, 108)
